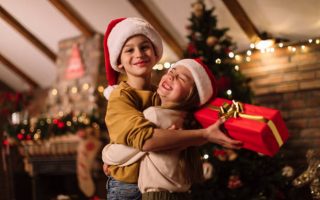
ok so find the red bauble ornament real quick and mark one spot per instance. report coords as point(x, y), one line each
point(60, 125)
point(5, 142)
point(223, 83)
point(55, 121)
point(192, 49)
point(234, 182)
point(20, 136)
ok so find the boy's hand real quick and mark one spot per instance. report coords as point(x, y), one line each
point(105, 169)
point(215, 135)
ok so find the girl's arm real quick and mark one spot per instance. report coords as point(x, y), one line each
point(172, 139)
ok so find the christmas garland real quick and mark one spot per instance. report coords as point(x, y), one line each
point(46, 127)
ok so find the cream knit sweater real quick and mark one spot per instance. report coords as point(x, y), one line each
point(159, 171)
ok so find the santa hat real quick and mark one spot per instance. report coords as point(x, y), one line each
point(117, 33)
point(203, 78)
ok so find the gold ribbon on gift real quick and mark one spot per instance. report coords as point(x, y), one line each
point(235, 109)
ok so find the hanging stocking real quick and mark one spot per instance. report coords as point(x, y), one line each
point(87, 151)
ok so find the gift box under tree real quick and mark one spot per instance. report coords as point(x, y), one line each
point(260, 129)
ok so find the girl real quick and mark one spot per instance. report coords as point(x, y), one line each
point(168, 174)
point(132, 47)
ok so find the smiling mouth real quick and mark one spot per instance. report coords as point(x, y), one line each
point(166, 86)
point(142, 62)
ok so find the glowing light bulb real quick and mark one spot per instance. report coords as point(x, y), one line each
point(231, 54)
point(167, 65)
point(100, 88)
point(85, 86)
point(263, 44)
point(54, 92)
point(229, 92)
point(74, 89)
point(160, 66)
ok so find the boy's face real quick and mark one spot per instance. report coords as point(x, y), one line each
point(137, 56)
point(176, 85)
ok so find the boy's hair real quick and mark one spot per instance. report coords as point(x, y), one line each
point(117, 33)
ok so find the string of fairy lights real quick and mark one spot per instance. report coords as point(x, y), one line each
point(265, 47)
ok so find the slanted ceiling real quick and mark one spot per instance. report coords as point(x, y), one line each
point(31, 29)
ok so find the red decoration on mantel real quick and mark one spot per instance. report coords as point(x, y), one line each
point(75, 66)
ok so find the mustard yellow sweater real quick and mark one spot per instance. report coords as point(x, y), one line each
point(127, 125)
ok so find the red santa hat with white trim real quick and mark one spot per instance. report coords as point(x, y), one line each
point(117, 33)
point(203, 78)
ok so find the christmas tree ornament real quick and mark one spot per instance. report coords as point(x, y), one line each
point(287, 171)
point(192, 49)
point(211, 40)
point(217, 48)
point(198, 8)
point(208, 170)
point(198, 35)
point(223, 83)
point(232, 155)
point(220, 154)
point(234, 182)
point(311, 175)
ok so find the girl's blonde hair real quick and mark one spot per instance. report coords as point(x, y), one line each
point(190, 158)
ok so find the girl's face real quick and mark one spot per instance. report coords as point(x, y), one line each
point(137, 56)
point(176, 85)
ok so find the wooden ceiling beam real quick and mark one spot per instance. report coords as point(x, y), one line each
point(67, 10)
point(28, 35)
point(16, 70)
point(243, 20)
point(143, 9)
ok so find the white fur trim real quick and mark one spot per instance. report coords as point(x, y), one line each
point(107, 91)
point(124, 30)
point(200, 76)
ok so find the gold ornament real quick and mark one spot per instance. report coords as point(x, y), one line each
point(311, 175)
point(232, 155)
point(207, 170)
point(287, 171)
point(198, 8)
point(211, 40)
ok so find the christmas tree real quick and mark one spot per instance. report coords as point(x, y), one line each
point(215, 48)
point(231, 174)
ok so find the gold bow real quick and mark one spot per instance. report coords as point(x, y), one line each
point(235, 109)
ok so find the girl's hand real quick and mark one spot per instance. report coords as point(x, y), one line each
point(213, 134)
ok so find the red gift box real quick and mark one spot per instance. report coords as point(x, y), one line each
point(260, 129)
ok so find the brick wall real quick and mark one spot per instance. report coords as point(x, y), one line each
point(91, 53)
point(290, 81)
